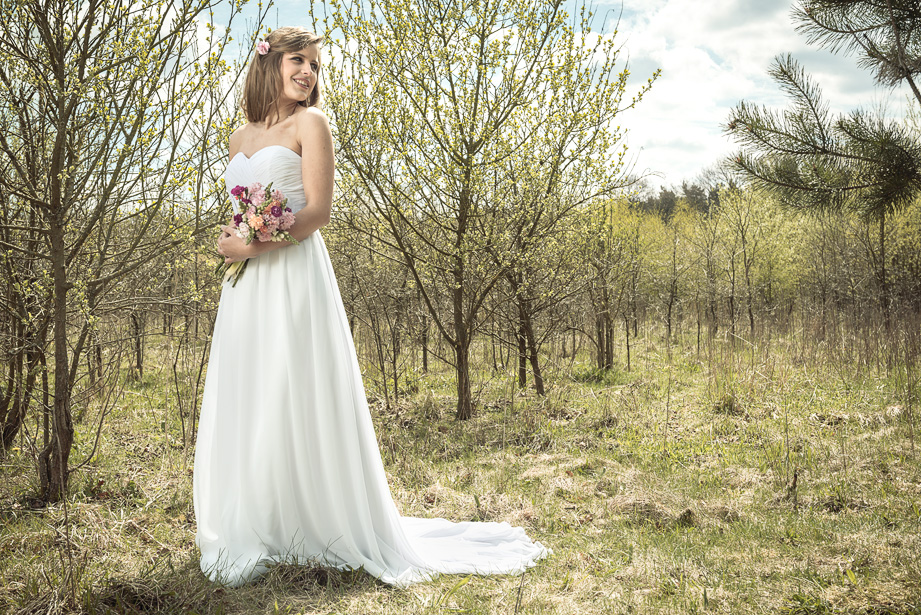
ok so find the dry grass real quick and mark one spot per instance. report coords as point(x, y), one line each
point(747, 482)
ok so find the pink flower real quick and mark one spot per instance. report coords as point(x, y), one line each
point(263, 47)
point(287, 220)
point(257, 198)
point(264, 236)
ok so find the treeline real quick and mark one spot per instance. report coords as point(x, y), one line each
point(666, 201)
point(745, 268)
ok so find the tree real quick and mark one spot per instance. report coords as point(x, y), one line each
point(744, 226)
point(612, 248)
point(541, 267)
point(695, 195)
point(101, 158)
point(431, 103)
point(859, 163)
point(670, 261)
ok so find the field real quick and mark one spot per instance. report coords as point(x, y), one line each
point(776, 477)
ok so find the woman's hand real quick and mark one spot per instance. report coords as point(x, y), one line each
point(231, 247)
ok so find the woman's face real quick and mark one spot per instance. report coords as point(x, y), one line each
point(299, 73)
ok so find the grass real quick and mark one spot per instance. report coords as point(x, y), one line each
point(745, 480)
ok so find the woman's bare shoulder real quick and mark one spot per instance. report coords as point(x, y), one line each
point(237, 137)
point(311, 118)
point(313, 129)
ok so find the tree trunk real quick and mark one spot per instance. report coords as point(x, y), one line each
point(395, 356)
point(53, 459)
point(600, 346)
point(533, 357)
point(137, 326)
point(732, 298)
point(635, 315)
point(697, 304)
point(527, 343)
point(15, 401)
point(97, 349)
point(22, 373)
point(461, 350)
point(609, 342)
point(462, 328)
point(668, 315)
point(751, 312)
point(10, 407)
point(885, 299)
point(381, 359)
point(522, 354)
point(46, 406)
point(747, 262)
point(627, 339)
point(673, 285)
point(464, 401)
point(425, 347)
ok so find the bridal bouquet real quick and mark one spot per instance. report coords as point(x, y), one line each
point(264, 216)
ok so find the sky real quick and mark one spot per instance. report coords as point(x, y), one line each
point(713, 54)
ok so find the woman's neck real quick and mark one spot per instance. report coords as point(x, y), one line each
point(283, 113)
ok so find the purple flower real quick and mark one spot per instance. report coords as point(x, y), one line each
point(237, 219)
point(237, 190)
point(276, 211)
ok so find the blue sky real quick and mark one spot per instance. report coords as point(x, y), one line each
point(713, 54)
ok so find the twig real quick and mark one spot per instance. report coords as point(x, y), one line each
point(520, 586)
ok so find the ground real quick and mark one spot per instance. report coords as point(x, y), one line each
point(753, 478)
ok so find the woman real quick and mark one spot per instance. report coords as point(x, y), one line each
point(287, 466)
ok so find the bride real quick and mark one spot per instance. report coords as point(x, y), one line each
point(286, 465)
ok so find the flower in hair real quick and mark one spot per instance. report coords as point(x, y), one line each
point(262, 47)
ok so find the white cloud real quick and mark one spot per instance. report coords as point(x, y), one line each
point(712, 55)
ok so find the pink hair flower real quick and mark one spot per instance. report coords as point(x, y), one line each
point(263, 47)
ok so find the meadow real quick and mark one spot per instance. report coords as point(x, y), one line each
point(780, 476)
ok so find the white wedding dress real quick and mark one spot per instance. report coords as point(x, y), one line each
point(287, 466)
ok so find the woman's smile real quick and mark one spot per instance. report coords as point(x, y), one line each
point(301, 68)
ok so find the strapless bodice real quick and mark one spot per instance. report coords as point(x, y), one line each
point(274, 163)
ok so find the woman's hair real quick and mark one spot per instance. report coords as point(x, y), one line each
point(263, 80)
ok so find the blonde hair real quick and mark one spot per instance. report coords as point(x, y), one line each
point(263, 80)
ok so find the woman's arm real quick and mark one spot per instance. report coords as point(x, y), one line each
point(317, 172)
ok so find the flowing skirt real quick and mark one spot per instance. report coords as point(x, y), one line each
point(287, 466)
